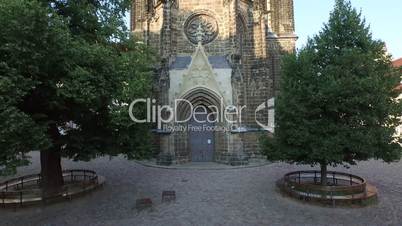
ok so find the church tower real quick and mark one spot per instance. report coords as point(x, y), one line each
point(220, 53)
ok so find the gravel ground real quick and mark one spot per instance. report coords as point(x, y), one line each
point(208, 197)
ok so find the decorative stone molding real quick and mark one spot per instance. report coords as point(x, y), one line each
point(200, 73)
point(204, 23)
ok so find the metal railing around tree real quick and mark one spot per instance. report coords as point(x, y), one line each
point(26, 189)
point(308, 183)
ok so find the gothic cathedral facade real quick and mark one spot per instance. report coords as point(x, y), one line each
point(215, 53)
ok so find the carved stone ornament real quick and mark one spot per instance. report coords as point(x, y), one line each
point(201, 27)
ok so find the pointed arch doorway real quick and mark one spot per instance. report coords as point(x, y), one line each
point(201, 138)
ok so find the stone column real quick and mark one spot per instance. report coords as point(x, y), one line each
point(166, 36)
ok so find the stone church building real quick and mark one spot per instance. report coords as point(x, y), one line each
point(215, 53)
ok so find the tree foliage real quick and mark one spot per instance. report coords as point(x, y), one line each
point(337, 103)
point(69, 65)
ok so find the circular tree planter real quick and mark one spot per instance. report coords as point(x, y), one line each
point(26, 191)
point(342, 188)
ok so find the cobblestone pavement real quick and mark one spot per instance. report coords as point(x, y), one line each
point(208, 197)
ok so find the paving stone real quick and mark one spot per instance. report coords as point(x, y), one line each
point(209, 197)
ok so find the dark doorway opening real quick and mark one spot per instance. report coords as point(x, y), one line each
point(201, 139)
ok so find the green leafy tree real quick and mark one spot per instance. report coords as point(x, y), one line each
point(337, 103)
point(68, 70)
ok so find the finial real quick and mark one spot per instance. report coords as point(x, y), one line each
point(199, 34)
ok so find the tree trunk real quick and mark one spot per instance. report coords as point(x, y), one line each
point(51, 172)
point(324, 174)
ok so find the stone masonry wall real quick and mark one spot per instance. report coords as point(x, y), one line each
point(252, 35)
